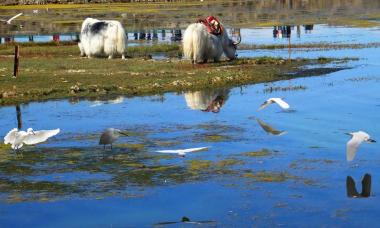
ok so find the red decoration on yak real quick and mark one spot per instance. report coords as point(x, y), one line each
point(213, 25)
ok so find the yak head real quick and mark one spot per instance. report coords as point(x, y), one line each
point(230, 46)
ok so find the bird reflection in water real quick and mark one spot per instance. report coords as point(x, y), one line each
point(269, 129)
point(186, 220)
point(366, 187)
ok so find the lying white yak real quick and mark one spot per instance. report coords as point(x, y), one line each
point(99, 38)
point(200, 45)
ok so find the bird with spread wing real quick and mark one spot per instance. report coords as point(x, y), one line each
point(18, 138)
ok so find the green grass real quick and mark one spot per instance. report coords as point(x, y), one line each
point(57, 71)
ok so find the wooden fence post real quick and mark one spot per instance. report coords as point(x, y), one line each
point(16, 63)
point(19, 119)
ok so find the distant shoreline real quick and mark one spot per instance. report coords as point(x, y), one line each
point(47, 2)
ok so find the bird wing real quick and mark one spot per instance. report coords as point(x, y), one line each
point(352, 147)
point(12, 18)
point(182, 151)
point(281, 103)
point(40, 136)
point(265, 104)
point(11, 136)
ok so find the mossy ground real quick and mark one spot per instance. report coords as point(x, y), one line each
point(57, 71)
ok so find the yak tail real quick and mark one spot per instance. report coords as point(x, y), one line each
point(121, 39)
point(188, 50)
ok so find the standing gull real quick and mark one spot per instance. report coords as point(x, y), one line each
point(18, 138)
point(353, 144)
point(8, 22)
point(109, 136)
point(276, 100)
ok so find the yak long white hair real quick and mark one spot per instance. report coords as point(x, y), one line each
point(107, 41)
point(199, 45)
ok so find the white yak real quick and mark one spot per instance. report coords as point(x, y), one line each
point(199, 45)
point(102, 38)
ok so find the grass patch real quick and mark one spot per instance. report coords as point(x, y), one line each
point(215, 138)
point(199, 165)
point(323, 46)
point(260, 153)
point(132, 146)
point(227, 163)
point(51, 72)
point(272, 89)
point(265, 176)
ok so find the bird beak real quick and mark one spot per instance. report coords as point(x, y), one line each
point(371, 141)
point(348, 134)
point(33, 133)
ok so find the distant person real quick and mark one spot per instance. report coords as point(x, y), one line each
point(155, 35)
point(308, 28)
point(163, 34)
point(275, 32)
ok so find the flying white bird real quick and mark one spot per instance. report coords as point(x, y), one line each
point(17, 138)
point(352, 145)
point(11, 19)
point(182, 152)
point(109, 136)
point(276, 100)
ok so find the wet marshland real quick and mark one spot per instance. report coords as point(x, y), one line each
point(264, 168)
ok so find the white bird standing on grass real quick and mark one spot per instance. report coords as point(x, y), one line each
point(17, 138)
point(8, 22)
point(276, 100)
point(182, 152)
point(109, 136)
point(353, 144)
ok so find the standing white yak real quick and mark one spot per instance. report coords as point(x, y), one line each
point(200, 45)
point(99, 38)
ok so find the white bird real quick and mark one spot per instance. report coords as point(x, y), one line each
point(276, 100)
point(182, 152)
point(18, 138)
point(353, 144)
point(11, 19)
point(109, 136)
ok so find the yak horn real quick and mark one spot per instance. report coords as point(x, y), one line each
point(238, 41)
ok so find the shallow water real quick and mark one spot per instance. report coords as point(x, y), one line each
point(296, 178)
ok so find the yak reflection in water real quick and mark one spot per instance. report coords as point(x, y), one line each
point(366, 187)
point(116, 100)
point(208, 100)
